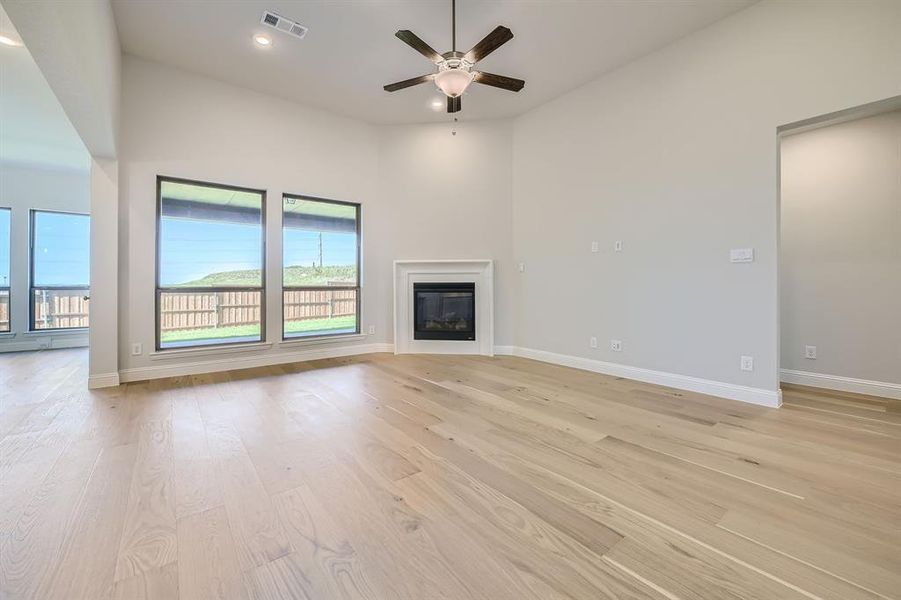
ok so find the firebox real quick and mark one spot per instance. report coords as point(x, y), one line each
point(444, 311)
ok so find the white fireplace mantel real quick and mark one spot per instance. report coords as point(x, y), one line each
point(477, 271)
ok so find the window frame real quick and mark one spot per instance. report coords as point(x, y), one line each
point(32, 213)
point(159, 291)
point(8, 287)
point(358, 288)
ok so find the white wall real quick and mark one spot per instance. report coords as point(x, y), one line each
point(676, 155)
point(179, 124)
point(445, 196)
point(840, 277)
point(103, 363)
point(76, 46)
point(26, 187)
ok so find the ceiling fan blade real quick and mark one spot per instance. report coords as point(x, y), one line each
point(412, 40)
point(491, 42)
point(393, 87)
point(499, 81)
point(454, 104)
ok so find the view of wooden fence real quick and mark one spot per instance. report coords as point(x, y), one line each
point(59, 309)
point(203, 310)
point(4, 311)
point(301, 305)
point(195, 310)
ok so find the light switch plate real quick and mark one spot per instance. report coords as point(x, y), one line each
point(593, 342)
point(595, 246)
point(741, 255)
point(618, 246)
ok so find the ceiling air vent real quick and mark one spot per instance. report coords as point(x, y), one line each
point(282, 24)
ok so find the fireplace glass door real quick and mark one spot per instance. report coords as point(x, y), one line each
point(444, 311)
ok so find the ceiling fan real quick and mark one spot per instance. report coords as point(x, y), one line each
point(455, 69)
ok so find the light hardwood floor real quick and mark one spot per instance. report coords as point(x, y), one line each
point(427, 477)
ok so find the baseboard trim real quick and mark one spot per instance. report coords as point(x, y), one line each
point(730, 391)
point(102, 380)
point(45, 342)
point(883, 389)
point(247, 362)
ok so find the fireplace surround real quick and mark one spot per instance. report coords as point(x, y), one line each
point(456, 281)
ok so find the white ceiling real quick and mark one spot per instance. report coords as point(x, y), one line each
point(350, 51)
point(34, 129)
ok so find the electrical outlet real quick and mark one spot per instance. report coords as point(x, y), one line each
point(372, 330)
point(616, 345)
point(810, 352)
point(595, 246)
point(618, 246)
point(522, 267)
point(137, 349)
point(593, 342)
point(747, 363)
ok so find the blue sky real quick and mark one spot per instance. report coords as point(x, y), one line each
point(61, 249)
point(302, 248)
point(192, 249)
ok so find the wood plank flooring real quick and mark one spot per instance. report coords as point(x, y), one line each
point(435, 477)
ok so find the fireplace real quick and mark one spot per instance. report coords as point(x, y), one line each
point(444, 311)
point(414, 334)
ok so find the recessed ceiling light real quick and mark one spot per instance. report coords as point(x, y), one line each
point(8, 41)
point(262, 40)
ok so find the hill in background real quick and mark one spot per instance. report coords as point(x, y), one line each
point(294, 275)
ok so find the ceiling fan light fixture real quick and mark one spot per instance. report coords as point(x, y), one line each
point(453, 81)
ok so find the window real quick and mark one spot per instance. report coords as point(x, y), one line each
point(60, 270)
point(5, 248)
point(210, 264)
point(321, 272)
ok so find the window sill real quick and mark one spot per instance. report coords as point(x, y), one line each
point(322, 339)
point(209, 350)
point(46, 332)
point(7, 335)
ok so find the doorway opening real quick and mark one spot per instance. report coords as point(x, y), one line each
point(840, 258)
point(45, 197)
